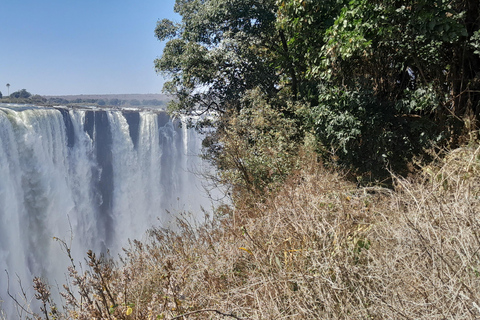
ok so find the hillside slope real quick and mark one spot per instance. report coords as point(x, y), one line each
point(319, 248)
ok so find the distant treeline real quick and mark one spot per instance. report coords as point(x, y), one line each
point(108, 102)
point(23, 96)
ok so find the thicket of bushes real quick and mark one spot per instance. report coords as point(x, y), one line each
point(375, 82)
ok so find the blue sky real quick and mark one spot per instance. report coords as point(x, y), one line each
point(62, 47)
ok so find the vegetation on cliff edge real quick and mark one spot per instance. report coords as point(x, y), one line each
point(318, 248)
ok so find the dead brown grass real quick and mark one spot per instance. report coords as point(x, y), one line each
point(320, 248)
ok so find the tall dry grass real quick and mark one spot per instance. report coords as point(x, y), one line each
point(320, 248)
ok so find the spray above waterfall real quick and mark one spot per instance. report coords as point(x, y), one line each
point(95, 176)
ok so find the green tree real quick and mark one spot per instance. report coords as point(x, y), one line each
point(375, 81)
point(114, 102)
point(386, 78)
point(221, 50)
point(21, 94)
point(37, 99)
point(221, 54)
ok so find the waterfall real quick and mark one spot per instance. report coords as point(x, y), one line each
point(92, 177)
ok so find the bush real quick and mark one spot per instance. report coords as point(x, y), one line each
point(256, 148)
point(368, 136)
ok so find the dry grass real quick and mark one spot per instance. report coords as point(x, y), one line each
point(318, 249)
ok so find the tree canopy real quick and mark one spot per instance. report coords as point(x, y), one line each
point(21, 94)
point(375, 82)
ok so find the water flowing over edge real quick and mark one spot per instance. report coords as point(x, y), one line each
point(94, 178)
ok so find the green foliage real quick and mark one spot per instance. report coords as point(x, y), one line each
point(388, 69)
point(377, 41)
point(376, 81)
point(216, 54)
point(256, 148)
point(419, 100)
point(303, 24)
point(22, 94)
point(348, 35)
point(363, 133)
point(166, 29)
point(475, 42)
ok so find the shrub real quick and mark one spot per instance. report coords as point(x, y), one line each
point(366, 135)
point(255, 148)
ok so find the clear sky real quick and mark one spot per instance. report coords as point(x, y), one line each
point(62, 47)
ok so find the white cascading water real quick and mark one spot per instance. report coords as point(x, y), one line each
point(94, 178)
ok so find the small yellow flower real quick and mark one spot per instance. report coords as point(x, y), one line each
point(129, 311)
point(247, 250)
